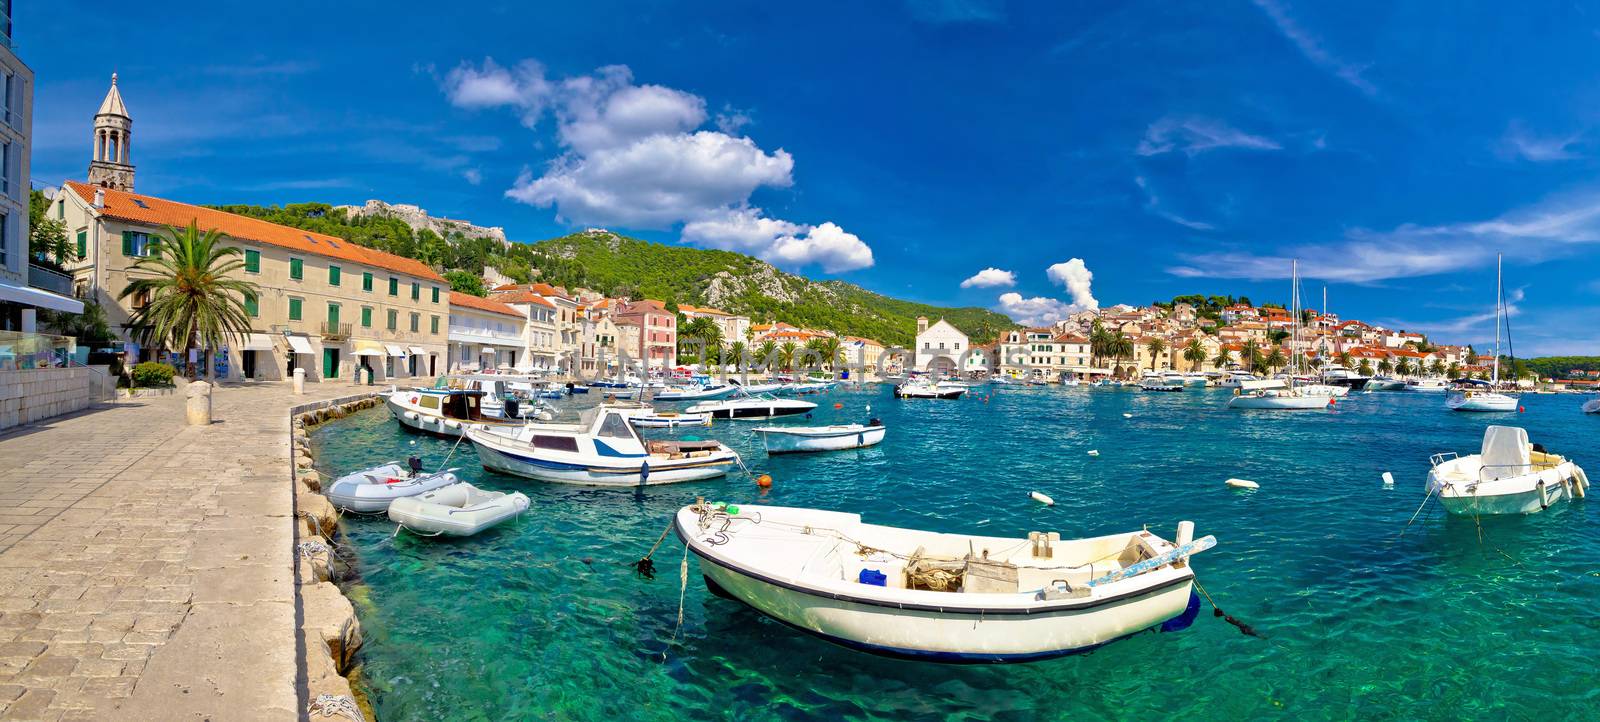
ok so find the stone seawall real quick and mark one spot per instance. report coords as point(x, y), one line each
point(329, 633)
point(29, 395)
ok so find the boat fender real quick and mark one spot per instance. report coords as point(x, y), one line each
point(452, 423)
point(1041, 498)
point(1544, 495)
point(1388, 479)
point(412, 415)
point(1242, 484)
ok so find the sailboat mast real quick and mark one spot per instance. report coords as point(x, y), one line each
point(1294, 320)
point(1495, 379)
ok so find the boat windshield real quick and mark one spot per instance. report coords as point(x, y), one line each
point(616, 427)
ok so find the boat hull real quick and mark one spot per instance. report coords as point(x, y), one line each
point(623, 473)
point(952, 635)
point(1278, 403)
point(1481, 403)
point(779, 442)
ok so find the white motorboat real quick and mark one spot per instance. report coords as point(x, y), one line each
point(651, 419)
point(755, 407)
point(942, 597)
point(1475, 395)
point(1384, 383)
point(1159, 384)
point(1507, 476)
point(1329, 390)
point(441, 412)
point(1278, 400)
point(1004, 380)
point(757, 389)
point(602, 449)
point(370, 491)
point(1195, 378)
point(456, 510)
point(1591, 406)
point(798, 439)
point(1070, 381)
point(693, 393)
point(921, 388)
point(1427, 386)
point(1341, 376)
point(1237, 379)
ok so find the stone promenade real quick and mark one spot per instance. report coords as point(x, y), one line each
point(146, 567)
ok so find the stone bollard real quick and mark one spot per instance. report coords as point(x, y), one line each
point(199, 393)
point(299, 382)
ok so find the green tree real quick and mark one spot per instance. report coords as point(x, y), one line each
point(767, 356)
point(1365, 368)
point(1385, 368)
point(1403, 367)
point(1195, 353)
point(1344, 359)
point(47, 237)
point(1155, 347)
point(787, 354)
point(1252, 355)
point(463, 282)
point(1276, 359)
point(1472, 356)
point(1223, 358)
point(1454, 371)
point(1437, 368)
point(192, 301)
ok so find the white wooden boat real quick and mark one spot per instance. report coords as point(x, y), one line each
point(757, 407)
point(798, 439)
point(1159, 384)
point(651, 419)
point(1591, 406)
point(441, 412)
point(370, 491)
point(693, 393)
point(602, 449)
point(1507, 476)
point(942, 597)
point(923, 389)
point(456, 510)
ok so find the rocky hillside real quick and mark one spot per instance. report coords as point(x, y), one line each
point(737, 283)
point(418, 218)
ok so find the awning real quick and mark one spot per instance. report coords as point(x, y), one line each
point(300, 344)
point(395, 350)
point(39, 298)
point(418, 351)
point(369, 348)
point(257, 342)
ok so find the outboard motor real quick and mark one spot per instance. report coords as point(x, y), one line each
point(874, 421)
point(415, 463)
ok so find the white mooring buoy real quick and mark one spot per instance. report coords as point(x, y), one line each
point(1242, 484)
point(1094, 452)
point(1388, 479)
point(1041, 498)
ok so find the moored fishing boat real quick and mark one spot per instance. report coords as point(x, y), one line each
point(370, 491)
point(652, 419)
point(942, 597)
point(798, 439)
point(921, 388)
point(1508, 475)
point(443, 412)
point(755, 407)
point(456, 510)
point(693, 393)
point(602, 449)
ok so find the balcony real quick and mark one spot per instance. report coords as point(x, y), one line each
point(49, 279)
point(335, 331)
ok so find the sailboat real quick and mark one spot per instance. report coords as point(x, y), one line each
point(1474, 395)
point(1288, 398)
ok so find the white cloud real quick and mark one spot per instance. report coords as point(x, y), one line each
point(1311, 47)
point(1519, 142)
point(635, 156)
point(731, 120)
point(1153, 204)
point(473, 175)
point(1036, 311)
point(779, 241)
point(1195, 135)
point(1549, 228)
point(990, 278)
point(1076, 278)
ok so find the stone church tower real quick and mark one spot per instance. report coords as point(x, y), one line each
point(112, 164)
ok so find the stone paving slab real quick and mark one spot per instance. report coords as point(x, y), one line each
point(145, 566)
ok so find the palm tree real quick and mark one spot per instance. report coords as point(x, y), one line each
point(1472, 356)
point(1402, 367)
point(1195, 353)
point(736, 352)
point(1454, 371)
point(1366, 367)
point(1437, 367)
point(786, 355)
point(1275, 360)
point(1223, 358)
point(1344, 359)
point(1384, 367)
point(1098, 340)
point(829, 348)
point(1252, 355)
point(193, 303)
point(1156, 347)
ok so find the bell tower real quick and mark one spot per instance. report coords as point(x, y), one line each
point(112, 161)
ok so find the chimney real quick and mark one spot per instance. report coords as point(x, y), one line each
point(922, 324)
point(99, 198)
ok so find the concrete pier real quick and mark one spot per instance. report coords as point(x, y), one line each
point(147, 566)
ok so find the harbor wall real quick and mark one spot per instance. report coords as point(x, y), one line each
point(30, 395)
point(328, 634)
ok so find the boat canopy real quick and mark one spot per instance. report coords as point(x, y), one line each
point(1506, 453)
point(1474, 382)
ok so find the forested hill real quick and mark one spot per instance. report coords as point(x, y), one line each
point(617, 265)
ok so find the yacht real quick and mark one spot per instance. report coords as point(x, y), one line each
point(1471, 395)
point(1427, 386)
point(1384, 383)
point(1257, 396)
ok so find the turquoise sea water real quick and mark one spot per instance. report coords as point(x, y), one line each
point(544, 619)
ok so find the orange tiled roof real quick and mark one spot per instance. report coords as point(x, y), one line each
point(483, 304)
point(702, 309)
point(524, 297)
point(161, 212)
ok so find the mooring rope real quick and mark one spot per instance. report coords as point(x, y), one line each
point(335, 705)
point(1216, 611)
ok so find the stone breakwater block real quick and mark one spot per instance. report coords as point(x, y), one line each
point(314, 569)
point(311, 480)
point(331, 618)
point(316, 509)
point(322, 673)
point(198, 409)
point(1242, 484)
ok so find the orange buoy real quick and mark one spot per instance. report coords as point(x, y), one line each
point(1333, 401)
point(838, 406)
point(764, 481)
point(1522, 409)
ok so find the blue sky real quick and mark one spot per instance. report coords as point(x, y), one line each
point(908, 146)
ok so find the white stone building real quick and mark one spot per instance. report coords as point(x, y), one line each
point(938, 347)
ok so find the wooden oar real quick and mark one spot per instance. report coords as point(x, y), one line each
point(1194, 547)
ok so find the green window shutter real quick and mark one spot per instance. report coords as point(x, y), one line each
point(366, 317)
point(366, 282)
point(333, 275)
point(394, 319)
point(416, 322)
point(83, 245)
point(433, 325)
point(297, 269)
point(252, 307)
point(127, 243)
point(394, 286)
point(435, 294)
point(416, 291)
point(294, 309)
point(252, 261)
